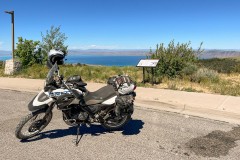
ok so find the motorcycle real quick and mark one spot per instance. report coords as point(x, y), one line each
point(111, 106)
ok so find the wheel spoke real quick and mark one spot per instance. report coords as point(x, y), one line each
point(34, 125)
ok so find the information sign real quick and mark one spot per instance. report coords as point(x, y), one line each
point(148, 63)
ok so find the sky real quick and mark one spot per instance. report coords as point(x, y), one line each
point(125, 24)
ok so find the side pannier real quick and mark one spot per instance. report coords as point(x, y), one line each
point(124, 102)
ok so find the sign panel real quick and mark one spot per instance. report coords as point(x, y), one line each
point(148, 63)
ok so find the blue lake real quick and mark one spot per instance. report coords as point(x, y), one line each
point(3, 58)
point(106, 60)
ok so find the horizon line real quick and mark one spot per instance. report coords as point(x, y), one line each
point(137, 49)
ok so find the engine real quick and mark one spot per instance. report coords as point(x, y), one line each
point(75, 114)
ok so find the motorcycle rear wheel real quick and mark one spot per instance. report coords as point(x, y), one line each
point(114, 124)
point(32, 124)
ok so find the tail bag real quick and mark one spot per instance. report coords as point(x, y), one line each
point(122, 83)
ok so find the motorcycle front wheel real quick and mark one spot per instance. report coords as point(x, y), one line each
point(114, 123)
point(32, 124)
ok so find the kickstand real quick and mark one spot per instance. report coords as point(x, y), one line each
point(78, 133)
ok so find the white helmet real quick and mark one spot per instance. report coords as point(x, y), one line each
point(56, 55)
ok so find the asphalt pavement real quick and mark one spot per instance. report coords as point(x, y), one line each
point(151, 134)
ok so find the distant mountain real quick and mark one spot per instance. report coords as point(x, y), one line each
point(216, 53)
point(207, 54)
point(5, 53)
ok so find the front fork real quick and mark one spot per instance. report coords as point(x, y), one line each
point(49, 109)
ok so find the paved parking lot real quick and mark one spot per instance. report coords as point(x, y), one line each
point(152, 134)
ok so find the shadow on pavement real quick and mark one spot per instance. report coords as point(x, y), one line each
point(133, 127)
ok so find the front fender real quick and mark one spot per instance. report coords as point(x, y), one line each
point(40, 101)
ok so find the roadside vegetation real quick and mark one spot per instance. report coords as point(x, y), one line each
point(89, 73)
point(179, 67)
point(194, 79)
point(30, 52)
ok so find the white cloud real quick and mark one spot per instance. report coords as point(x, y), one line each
point(93, 46)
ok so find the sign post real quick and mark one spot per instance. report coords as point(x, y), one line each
point(148, 63)
point(12, 21)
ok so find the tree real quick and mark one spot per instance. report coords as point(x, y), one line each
point(27, 52)
point(174, 58)
point(52, 40)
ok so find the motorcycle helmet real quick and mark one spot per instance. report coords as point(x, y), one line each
point(56, 55)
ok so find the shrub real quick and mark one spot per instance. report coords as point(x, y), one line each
point(174, 58)
point(205, 75)
point(190, 69)
point(26, 52)
point(53, 39)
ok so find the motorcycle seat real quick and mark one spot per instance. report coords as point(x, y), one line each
point(100, 95)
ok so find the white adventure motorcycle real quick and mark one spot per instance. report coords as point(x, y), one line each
point(111, 106)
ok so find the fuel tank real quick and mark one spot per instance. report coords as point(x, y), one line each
point(65, 100)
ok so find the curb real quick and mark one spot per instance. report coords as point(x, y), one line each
point(214, 114)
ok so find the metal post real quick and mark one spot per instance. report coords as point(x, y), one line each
point(152, 75)
point(13, 43)
point(12, 21)
point(143, 75)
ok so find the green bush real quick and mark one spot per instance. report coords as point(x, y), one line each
point(190, 69)
point(25, 52)
point(26, 49)
point(174, 58)
point(53, 39)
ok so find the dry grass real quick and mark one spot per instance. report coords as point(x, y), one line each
point(228, 84)
point(183, 85)
point(233, 78)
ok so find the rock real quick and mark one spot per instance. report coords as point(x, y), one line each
point(12, 66)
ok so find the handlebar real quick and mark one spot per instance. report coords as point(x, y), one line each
point(74, 92)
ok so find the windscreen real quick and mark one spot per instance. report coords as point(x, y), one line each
point(50, 75)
